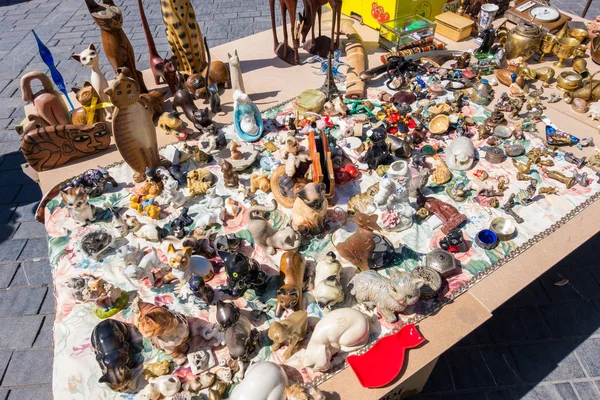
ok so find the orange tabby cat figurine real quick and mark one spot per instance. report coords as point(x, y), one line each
point(132, 126)
point(169, 331)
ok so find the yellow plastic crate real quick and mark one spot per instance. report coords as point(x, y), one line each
point(374, 12)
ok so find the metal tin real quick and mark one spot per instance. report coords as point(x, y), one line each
point(495, 155)
point(486, 239)
point(441, 261)
point(432, 278)
point(514, 150)
point(503, 228)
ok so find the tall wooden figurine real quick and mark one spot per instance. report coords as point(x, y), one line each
point(184, 36)
point(132, 126)
point(115, 43)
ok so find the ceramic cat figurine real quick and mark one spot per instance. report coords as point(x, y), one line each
point(86, 96)
point(132, 127)
point(116, 45)
point(266, 236)
point(390, 295)
point(89, 58)
point(235, 71)
point(111, 341)
point(76, 200)
point(169, 331)
point(48, 102)
point(184, 35)
point(184, 265)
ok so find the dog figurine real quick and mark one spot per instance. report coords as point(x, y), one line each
point(291, 276)
point(268, 237)
point(309, 210)
point(290, 331)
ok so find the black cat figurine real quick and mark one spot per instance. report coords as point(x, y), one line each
point(242, 273)
point(111, 340)
point(240, 336)
point(183, 99)
point(379, 150)
point(201, 290)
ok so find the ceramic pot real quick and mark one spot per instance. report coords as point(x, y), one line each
point(593, 28)
point(595, 49)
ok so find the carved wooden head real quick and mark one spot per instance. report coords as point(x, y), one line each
point(106, 14)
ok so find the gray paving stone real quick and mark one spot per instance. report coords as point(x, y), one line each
point(10, 178)
point(12, 161)
point(30, 229)
point(7, 272)
point(29, 367)
point(4, 359)
point(440, 379)
point(572, 318)
point(517, 325)
point(588, 352)
point(6, 213)
point(21, 301)
point(8, 230)
point(25, 212)
point(19, 332)
point(546, 361)
point(41, 392)
point(468, 369)
point(559, 391)
point(48, 305)
point(33, 273)
point(44, 338)
point(35, 248)
point(9, 147)
point(8, 194)
point(587, 390)
point(29, 193)
point(501, 365)
point(10, 249)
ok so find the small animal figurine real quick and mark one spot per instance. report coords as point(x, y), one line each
point(236, 154)
point(547, 190)
point(149, 232)
point(132, 127)
point(216, 387)
point(310, 209)
point(115, 43)
point(364, 202)
point(153, 185)
point(165, 385)
point(264, 380)
point(242, 273)
point(183, 99)
point(453, 241)
point(343, 329)
point(111, 341)
point(460, 154)
point(298, 392)
point(230, 177)
point(260, 182)
point(386, 193)
point(161, 68)
point(290, 331)
point(199, 181)
point(211, 83)
point(447, 213)
point(144, 267)
point(201, 290)
point(93, 181)
point(200, 157)
point(328, 289)
point(266, 236)
point(76, 201)
point(240, 336)
point(441, 174)
point(184, 265)
point(196, 84)
point(291, 276)
point(169, 331)
point(390, 295)
point(48, 102)
point(237, 81)
point(88, 113)
point(173, 125)
point(246, 117)
point(52, 146)
point(379, 150)
point(156, 369)
point(201, 361)
point(172, 194)
point(152, 102)
point(89, 58)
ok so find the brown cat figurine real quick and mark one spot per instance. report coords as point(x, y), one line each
point(85, 96)
point(291, 277)
point(115, 43)
point(48, 103)
point(230, 177)
point(153, 102)
point(169, 331)
point(52, 146)
point(132, 126)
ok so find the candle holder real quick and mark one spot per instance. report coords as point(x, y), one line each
point(564, 49)
point(548, 43)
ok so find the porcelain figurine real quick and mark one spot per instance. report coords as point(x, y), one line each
point(399, 216)
point(91, 110)
point(149, 232)
point(201, 361)
point(230, 178)
point(260, 182)
point(379, 150)
point(386, 193)
point(171, 124)
point(169, 331)
point(240, 336)
point(199, 118)
point(95, 242)
point(453, 241)
point(264, 380)
point(199, 181)
point(457, 192)
point(441, 174)
point(184, 265)
point(115, 43)
point(108, 298)
point(132, 127)
point(289, 332)
point(246, 117)
point(390, 295)
point(417, 184)
point(209, 381)
point(328, 289)
point(291, 276)
point(201, 290)
point(447, 213)
point(479, 186)
point(310, 209)
point(144, 205)
point(364, 202)
point(242, 273)
point(89, 58)
point(143, 268)
point(156, 369)
point(460, 154)
point(76, 201)
point(171, 193)
point(237, 81)
point(343, 329)
point(165, 385)
point(266, 236)
point(111, 341)
point(48, 102)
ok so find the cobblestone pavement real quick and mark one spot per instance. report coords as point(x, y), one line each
point(543, 344)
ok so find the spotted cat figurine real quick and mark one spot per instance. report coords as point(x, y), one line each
point(111, 341)
point(115, 43)
point(183, 35)
point(132, 127)
point(76, 201)
point(49, 147)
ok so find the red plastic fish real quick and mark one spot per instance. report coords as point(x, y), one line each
point(383, 362)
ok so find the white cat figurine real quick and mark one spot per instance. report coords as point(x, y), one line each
point(235, 72)
point(76, 201)
point(144, 268)
point(89, 58)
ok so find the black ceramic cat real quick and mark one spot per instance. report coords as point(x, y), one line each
point(242, 273)
point(183, 99)
point(201, 290)
point(379, 149)
point(111, 341)
point(240, 336)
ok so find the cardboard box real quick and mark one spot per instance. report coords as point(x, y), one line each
point(373, 12)
point(453, 26)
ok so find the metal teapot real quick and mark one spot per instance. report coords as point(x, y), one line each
point(523, 41)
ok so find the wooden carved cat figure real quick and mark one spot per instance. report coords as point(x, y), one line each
point(48, 103)
point(116, 45)
point(89, 58)
point(184, 36)
point(169, 331)
point(89, 112)
point(132, 127)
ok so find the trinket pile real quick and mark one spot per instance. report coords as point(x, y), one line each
point(207, 265)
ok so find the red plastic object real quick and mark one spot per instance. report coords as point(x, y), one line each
point(383, 362)
point(345, 174)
